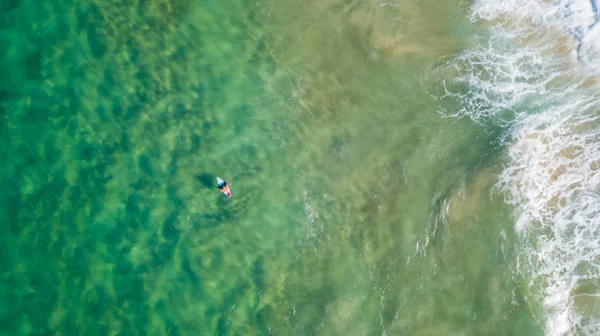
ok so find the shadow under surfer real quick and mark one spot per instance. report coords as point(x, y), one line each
point(224, 187)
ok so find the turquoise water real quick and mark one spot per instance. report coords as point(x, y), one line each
point(358, 208)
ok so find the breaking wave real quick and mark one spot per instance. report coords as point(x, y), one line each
point(537, 73)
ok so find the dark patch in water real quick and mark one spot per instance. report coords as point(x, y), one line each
point(163, 253)
point(173, 166)
point(174, 197)
point(76, 196)
point(136, 211)
point(96, 41)
point(180, 55)
point(72, 127)
point(201, 91)
point(172, 327)
point(10, 203)
point(51, 153)
point(134, 53)
point(196, 143)
point(134, 110)
point(100, 303)
point(34, 65)
point(169, 230)
point(259, 51)
point(7, 22)
point(180, 112)
point(140, 184)
point(132, 289)
point(35, 115)
point(116, 109)
point(222, 328)
point(109, 149)
point(104, 90)
point(258, 274)
point(125, 143)
point(88, 151)
point(145, 164)
point(109, 78)
point(205, 222)
point(261, 318)
point(339, 145)
point(8, 5)
point(206, 180)
point(6, 95)
point(101, 112)
point(187, 268)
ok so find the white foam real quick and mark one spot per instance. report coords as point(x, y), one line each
point(496, 80)
point(580, 19)
point(518, 12)
point(553, 179)
point(589, 50)
point(541, 66)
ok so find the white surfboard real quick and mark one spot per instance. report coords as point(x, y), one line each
point(220, 183)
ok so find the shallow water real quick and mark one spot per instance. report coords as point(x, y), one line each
point(546, 92)
point(362, 203)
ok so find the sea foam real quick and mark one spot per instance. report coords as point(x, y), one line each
point(537, 73)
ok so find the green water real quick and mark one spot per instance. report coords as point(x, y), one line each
point(358, 209)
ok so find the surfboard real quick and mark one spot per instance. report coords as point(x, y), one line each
point(220, 184)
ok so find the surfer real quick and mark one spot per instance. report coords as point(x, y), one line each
point(223, 187)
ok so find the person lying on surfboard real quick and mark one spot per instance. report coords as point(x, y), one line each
point(223, 187)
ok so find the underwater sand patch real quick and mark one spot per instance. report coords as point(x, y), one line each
point(467, 201)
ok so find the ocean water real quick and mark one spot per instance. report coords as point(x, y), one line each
point(546, 92)
point(397, 168)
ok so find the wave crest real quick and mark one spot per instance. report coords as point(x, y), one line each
point(539, 73)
